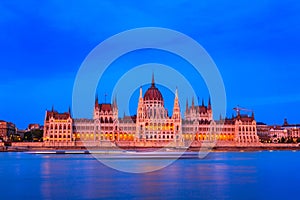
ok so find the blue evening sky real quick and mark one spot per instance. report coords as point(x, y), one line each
point(255, 44)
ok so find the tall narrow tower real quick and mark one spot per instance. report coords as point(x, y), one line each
point(177, 118)
point(176, 108)
point(140, 116)
point(115, 109)
point(140, 112)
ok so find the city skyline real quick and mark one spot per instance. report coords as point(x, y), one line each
point(255, 49)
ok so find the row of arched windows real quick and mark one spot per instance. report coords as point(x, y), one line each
point(247, 129)
point(60, 126)
point(106, 120)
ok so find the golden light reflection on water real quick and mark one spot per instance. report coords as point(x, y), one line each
point(219, 175)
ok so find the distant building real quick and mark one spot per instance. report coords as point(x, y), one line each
point(152, 124)
point(292, 129)
point(33, 127)
point(277, 132)
point(6, 129)
point(263, 131)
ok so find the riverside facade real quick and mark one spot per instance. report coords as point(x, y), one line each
point(151, 126)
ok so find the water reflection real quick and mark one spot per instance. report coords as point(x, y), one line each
point(220, 176)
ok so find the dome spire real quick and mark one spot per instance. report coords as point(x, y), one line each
point(153, 93)
point(153, 83)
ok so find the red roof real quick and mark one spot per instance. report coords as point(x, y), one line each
point(57, 115)
point(105, 107)
point(153, 93)
point(245, 118)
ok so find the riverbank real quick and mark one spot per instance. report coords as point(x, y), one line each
point(215, 148)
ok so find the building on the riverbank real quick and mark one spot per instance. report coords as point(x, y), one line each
point(285, 133)
point(6, 129)
point(293, 129)
point(34, 127)
point(263, 131)
point(277, 133)
point(58, 127)
point(151, 125)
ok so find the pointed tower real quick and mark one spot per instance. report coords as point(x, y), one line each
point(140, 108)
point(96, 99)
point(115, 109)
point(69, 111)
point(187, 106)
point(153, 82)
point(193, 103)
point(176, 108)
point(177, 118)
point(140, 117)
point(209, 110)
point(96, 107)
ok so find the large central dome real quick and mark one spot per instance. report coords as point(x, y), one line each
point(153, 94)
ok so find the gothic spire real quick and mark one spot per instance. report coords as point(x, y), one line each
point(141, 92)
point(193, 103)
point(96, 99)
point(187, 105)
point(209, 103)
point(153, 82)
point(115, 102)
point(176, 107)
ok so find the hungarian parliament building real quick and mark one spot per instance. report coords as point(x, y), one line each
point(151, 126)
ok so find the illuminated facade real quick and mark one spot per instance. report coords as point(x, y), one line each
point(151, 125)
point(58, 127)
point(6, 129)
point(153, 122)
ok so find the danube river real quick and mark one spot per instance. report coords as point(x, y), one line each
point(221, 175)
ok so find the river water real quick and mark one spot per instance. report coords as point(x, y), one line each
point(221, 175)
